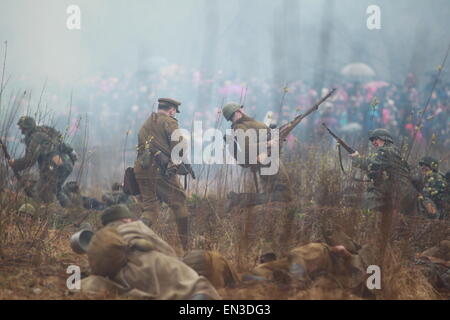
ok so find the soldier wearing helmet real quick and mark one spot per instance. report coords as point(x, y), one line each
point(55, 159)
point(26, 125)
point(276, 186)
point(391, 187)
point(434, 194)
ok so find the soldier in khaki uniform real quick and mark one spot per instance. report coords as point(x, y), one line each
point(128, 258)
point(276, 187)
point(154, 170)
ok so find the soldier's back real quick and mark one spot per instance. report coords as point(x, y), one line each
point(157, 129)
point(247, 122)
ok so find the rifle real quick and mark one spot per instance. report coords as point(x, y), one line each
point(8, 157)
point(339, 140)
point(184, 168)
point(288, 127)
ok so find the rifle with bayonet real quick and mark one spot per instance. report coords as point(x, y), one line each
point(288, 127)
point(339, 140)
point(8, 158)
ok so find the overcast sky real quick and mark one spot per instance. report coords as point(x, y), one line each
point(115, 34)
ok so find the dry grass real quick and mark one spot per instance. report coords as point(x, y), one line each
point(35, 253)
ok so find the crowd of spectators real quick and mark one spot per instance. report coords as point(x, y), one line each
point(117, 105)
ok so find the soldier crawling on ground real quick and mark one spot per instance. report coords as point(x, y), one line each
point(128, 258)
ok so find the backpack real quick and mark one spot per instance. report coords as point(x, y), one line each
point(54, 141)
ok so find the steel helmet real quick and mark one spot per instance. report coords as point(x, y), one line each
point(381, 134)
point(229, 109)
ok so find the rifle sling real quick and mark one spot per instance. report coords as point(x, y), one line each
point(342, 166)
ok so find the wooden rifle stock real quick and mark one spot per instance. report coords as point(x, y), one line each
point(341, 142)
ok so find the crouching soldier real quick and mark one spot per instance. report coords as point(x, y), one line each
point(55, 159)
point(391, 187)
point(433, 189)
point(128, 258)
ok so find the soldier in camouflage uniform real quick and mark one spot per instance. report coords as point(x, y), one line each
point(391, 187)
point(55, 159)
point(156, 173)
point(276, 187)
point(434, 194)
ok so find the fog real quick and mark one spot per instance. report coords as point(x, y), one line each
point(235, 36)
point(129, 53)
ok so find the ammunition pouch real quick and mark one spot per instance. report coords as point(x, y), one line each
point(145, 159)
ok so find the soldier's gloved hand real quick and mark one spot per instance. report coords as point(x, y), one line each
point(354, 154)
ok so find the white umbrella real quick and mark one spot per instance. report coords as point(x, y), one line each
point(357, 70)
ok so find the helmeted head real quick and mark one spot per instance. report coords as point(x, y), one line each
point(114, 213)
point(167, 103)
point(229, 109)
point(72, 186)
point(27, 210)
point(116, 186)
point(429, 162)
point(26, 124)
point(381, 134)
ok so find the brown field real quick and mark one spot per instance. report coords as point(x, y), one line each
point(35, 252)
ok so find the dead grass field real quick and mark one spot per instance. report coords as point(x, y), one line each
point(35, 252)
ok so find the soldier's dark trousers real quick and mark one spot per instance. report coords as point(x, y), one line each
point(51, 180)
point(155, 188)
